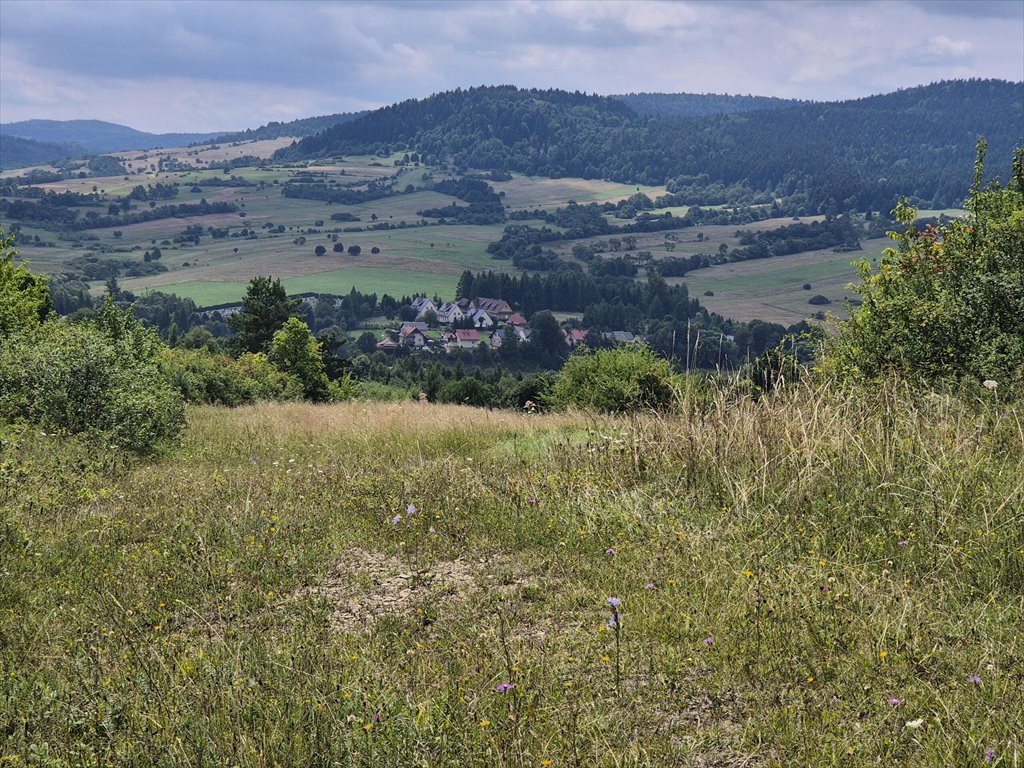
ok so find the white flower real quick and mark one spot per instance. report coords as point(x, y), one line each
point(989, 384)
point(915, 723)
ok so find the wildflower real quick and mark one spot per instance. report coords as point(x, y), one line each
point(903, 543)
point(410, 510)
point(709, 640)
point(974, 679)
point(883, 654)
point(484, 723)
point(649, 585)
point(396, 519)
point(432, 532)
point(610, 551)
point(990, 755)
point(612, 622)
point(614, 602)
point(914, 723)
point(547, 763)
point(505, 687)
point(990, 384)
point(531, 501)
point(895, 702)
point(748, 574)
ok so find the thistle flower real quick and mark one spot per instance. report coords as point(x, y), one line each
point(410, 510)
point(610, 551)
point(396, 519)
point(649, 585)
point(505, 687)
point(903, 543)
point(709, 640)
point(974, 679)
point(614, 602)
point(895, 702)
point(990, 755)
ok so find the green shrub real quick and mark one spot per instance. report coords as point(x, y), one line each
point(948, 302)
point(73, 378)
point(618, 380)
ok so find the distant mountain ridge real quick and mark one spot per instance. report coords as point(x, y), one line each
point(98, 136)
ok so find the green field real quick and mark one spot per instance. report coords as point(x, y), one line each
point(771, 289)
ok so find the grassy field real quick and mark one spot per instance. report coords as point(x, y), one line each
point(819, 579)
point(772, 289)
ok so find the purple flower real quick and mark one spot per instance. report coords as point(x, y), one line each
point(410, 510)
point(990, 755)
point(432, 532)
point(612, 622)
point(505, 687)
point(709, 641)
point(614, 602)
point(376, 717)
point(649, 585)
point(904, 543)
point(974, 679)
point(531, 501)
point(610, 551)
point(895, 702)
point(396, 519)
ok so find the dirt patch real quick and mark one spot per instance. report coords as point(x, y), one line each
point(367, 586)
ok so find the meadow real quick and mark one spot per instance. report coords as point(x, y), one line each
point(821, 577)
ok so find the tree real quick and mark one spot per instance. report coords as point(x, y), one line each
point(296, 352)
point(354, 250)
point(264, 310)
point(948, 301)
point(24, 297)
point(339, 248)
point(319, 250)
point(546, 339)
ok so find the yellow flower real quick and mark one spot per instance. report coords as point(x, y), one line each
point(368, 727)
point(883, 654)
point(546, 763)
point(810, 679)
point(606, 658)
point(484, 723)
point(748, 574)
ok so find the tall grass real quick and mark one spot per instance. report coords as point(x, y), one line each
point(817, 578)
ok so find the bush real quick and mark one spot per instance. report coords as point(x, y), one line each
point(948, 302)
point(818, 299)
point(625, 378)
point(74, 378)
point(467, 391)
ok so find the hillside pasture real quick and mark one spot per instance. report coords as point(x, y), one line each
point(817, 578)
point(771, 289)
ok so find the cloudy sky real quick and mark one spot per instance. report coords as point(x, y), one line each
point(167, 65)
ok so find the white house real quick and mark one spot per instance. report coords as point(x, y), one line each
point(450, 313)
point(422, 305)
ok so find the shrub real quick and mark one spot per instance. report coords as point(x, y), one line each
point(625, 378)
point(948, 301)
point(73, 378)
point(818, 299)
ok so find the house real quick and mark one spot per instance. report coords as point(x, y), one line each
point(462, 338)
point(480, 318)
point(422, 305)
point(387, 345)
point(575, 336)
point(450, 313)
point(516, 319)
point(411, 336)
point(496, 308)
point(520, 333)
point(620, 337)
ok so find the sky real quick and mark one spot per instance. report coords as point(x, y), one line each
point(169, 66)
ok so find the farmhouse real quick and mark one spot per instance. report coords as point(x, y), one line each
point(480, 319)
point(450, 313)
point(496, 308)
point(412, 336)
point(575, 336)
point(422, 305)
point(462, 338)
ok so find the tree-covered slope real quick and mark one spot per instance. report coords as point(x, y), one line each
point(16, 152)
point(307, 126)
point(860, 153)
point(682, 105)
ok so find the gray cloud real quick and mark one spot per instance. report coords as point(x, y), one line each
point(208, 66)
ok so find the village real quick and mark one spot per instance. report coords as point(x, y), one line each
point(468, 323)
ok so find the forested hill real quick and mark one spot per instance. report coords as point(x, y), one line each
point(16, 152)
point(853, 154)
point(486, 127)
point(684, 105)
point(307, 126)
